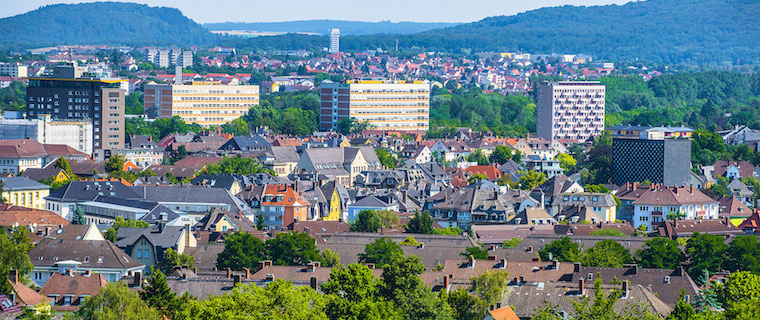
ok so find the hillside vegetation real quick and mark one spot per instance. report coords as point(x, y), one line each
point(323, 26)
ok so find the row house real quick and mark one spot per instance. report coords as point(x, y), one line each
point(465, 206)
point(281, 206)
point(21, 154)
point(340, 164)
point(660, 203)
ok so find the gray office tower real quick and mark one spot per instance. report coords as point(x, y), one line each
point(657, 154)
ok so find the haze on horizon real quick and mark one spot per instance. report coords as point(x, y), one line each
point(289, 10)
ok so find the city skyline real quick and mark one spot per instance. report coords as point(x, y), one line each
point(418, 11)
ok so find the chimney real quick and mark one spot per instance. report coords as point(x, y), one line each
point(498, 305)
point(471, 262)
point(161, 227)
point(371, 266)
point(555, 264)
point(691, 189)
point(87, 273)
point(581, 285)
point(503, 264)
point(635, 184)
point(260, 265)
point(195, 270)
point(238, 278)
point(13, 276)
point(651, 186)
point(229, 272)
point(138, 279)
point(447, 282)
point(310, 268)
point(70, 272)
point(576, 267)
point(267, 263)
point(625, 288)
point(676, 190)
point(314, 283)
point(491, 258)
point(247, 273)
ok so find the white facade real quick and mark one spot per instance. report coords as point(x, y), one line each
point(334, 40)
point(75, 133)
point(570, 110)
point(142, 157)
point(13, 70)
point(207, 103)
point(649, 214)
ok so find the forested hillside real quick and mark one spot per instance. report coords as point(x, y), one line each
point(323, 26)
point(102, 23)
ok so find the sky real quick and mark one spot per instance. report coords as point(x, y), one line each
point(204, 11)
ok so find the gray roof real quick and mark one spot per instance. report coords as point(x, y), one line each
point(190, 195)
point(371, 202)
point(89, 190)
point(98, 254)
point(587, 199)
point(37, 174)
point(22, 183)
point(166, 239)
point(155, 214)
point(246, 144)
point(284, 154)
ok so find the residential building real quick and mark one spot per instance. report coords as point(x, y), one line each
point(660, 203)
point(12, 216)
point(281, 206)
point(385, 104)
point(339, 164)
point(70, 93)
point(334, 40)
point(147, 245)
point(602, 205)
point(547, 166)
point(166, 57)
point(369, 203)
point(195, 202)
point(68, 290)
point(15, 70)
point(570, 110)
point(732, 169)
point(207, 103)
point(21, 191)
point(75, 133)
point(281, 160)
point(65, 200)
point(659, 155)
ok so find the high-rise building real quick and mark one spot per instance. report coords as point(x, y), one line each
point(334, 40)
point(75, 133)
point(660, 155)
point(71, 93)
point(208, 103)
point(169, 57)
point(569, 110)
point(385, 104)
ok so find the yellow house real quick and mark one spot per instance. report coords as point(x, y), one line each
point(335, 208)
point(24, 192)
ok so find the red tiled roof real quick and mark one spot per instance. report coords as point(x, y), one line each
point(290, 197)
point(490, 171)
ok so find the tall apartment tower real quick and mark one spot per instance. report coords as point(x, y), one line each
point(334, 40)
point(659, 155)
point(208, 103)
point(387, 105)
point(72, 94)
point(569, 110)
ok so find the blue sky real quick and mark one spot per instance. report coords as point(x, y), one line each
point(286, 10)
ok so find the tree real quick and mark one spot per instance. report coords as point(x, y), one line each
point(683, 310)
point(608, 233)
point(517, 156)
point(606, 253)
point(603, 306)
point(157, 293)
point(421, 223)
point(330, 258)
point(63, 164)
point(366, 221)
point(531, 180)
point(78, 217)
point(563, 250)
point(661, 253)
point(409, 241)
point(292, 249)
point(353, 293)
point(380, 252)
point(500, 155)
point(14, 246)
point(489, 287)
point(119, 222)
point(117, 301)
point(478, 156)
point(344, 126)
point(241, 250)
point(740, 287)
point(566, 161)
point(388, 218)
point(704, 252)
point(174, 259)
point(237, 127)
point(475, 178)
point(237, 165)
point(511, 243)
point(464, 305)
point(385, 158)
point(404, 287)
point(115, 164)
point(598, 188)
point(476, 252)
point(743, 254)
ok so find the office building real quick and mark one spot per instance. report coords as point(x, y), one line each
point(208, 103)
point(75, 133)
point(70, 93)
point(13, 70)
point(569, 110)
point(334, 40)
point(385, 104)
point(659, 155)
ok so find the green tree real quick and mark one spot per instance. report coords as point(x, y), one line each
point(566, 161)
point(157, 293)
point(115, 163)
point(740, 287)
point(78, 217)
point(500, 155)
point(682, 311)
point(598, 188)
point(237, 127)
point(388, 218)
point(119, 222)
point(511, 243)
point(344, 125)
point(353, 293)
point(292, 249)
point(476, 252)
point(241, 250)
point(381, 252)
point(237, 165)
point(606, 253)
point(63, 164)
point(489, 287)
point(478, 156)
point(704, 252)
point(174, 259)
point(608, 233)
point(421, 223)
point(366, 221)
point(330, 258)
point(661, 253)
point(385, 158)
point(14, 246)
point(404, 287)
point(531, 180)
point(475, 178)
point(409, 241)
point(564, 250)
point(116, 301)
point(464, 305)
point(743, 254)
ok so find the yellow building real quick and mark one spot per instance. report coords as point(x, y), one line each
point(335, 206)
point(23, 192)
point(208, 103)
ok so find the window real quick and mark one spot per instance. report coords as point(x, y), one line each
point(147, 254)
point(139, 254)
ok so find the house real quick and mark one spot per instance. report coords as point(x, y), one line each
point(64, 200)
point(281, 205)
point(11, 215)
point(603, 205)
point(533, 216)
point(503, 313)
point(420, 154)
point(51, 256)
point(675, 229)
point(219, 220)
point(21, 296)
point(547, 166)
point(234, 183)
point(21, 154)
point(733, 169)
point(751, 224)
point(491, 173)
point(69, 289)
point(193, 201)
point(661, 203)
point(48, 173)
point(340, 164)
point(337, 200)
point(147, 245)
point(369, 203)
point(246, 144)
point(24, 192)
point(464, 206)
point(554, 186)
point(733, 209)
point(740, 191)
point(280, 159)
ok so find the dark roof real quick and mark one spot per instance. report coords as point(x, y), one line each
point(37, 174)
point(246, 144)
point(49, 252)
point(189, 194)
point(87, 167)
point(652, 279)
point(205, 255)
point(167, 238)
point(22, 183)
point(155, 214)
point(224, 180)
point(371, 202)
point(89, 190)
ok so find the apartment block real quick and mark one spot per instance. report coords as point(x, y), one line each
point(385, 104)
point(334, 40)
point(570, 110)
point(13, 70)
point(166, 57)
point(659, 155)
point(70, 93)
point(75, 133)
point(208, 103)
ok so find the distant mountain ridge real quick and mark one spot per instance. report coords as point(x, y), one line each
point(103, 23)
point(322, 26)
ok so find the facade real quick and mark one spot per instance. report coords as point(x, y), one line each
point(13, 69)
point(281, 206)
point(659, 155)
point(208, 103)
point(76, 133)
point(20, 191)
point(657, 203)
point(385, 104)
point(72, 94)
point(166, 57)
point(570, 110)
point(334, 40)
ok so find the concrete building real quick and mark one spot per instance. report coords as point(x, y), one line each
point(385, 104)
point(334, 40)
point(166, 57)
point(659, 155)
point(208, 103)
point(570, 110)
point(75, 133)
point(72, 94)
point(13, 70)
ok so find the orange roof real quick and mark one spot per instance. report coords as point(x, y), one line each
point(290, 197)
point(25, 296)
point(503, 313)
point(490, 171)
point(10, 215)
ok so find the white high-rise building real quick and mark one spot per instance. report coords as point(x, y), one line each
point(208, 103)
point(570, 110)
point(334, 40)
